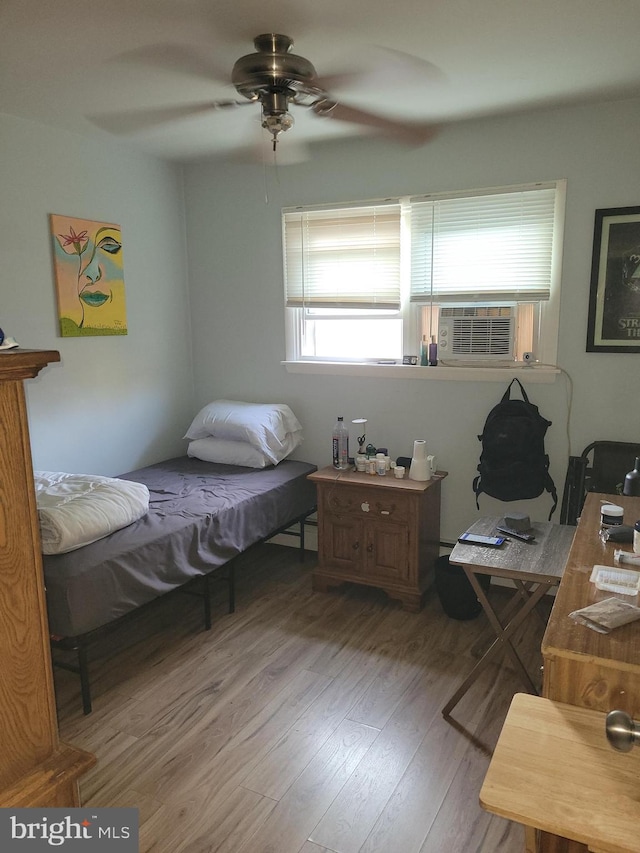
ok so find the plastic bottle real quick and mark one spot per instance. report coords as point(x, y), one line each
point(424, 351)
point(340, 446)
point(433, 352)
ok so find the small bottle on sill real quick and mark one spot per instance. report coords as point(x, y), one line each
point(433, 352)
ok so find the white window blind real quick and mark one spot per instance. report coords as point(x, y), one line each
point(346, 258)
point(494, 247)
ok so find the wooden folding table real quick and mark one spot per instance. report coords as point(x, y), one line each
point(533, 568)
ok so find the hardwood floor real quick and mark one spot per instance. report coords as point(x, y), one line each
point(303, 723)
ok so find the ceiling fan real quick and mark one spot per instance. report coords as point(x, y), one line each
point(278, 79)
point(280, 82)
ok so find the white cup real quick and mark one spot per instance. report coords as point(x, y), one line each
point(398, 472)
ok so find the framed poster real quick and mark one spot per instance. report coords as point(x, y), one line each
point(614, 301)
point(87, 260)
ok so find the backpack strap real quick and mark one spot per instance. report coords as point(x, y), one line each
point(507, 394)
point(477, 488)
point(551, 488)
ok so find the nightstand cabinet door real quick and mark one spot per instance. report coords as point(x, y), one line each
point(342, 544)
point(387, 552)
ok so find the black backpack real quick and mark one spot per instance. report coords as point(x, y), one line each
point(513, 464)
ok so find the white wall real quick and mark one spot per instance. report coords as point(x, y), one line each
point(235, 259)
point(116, 403)
point(113, 403)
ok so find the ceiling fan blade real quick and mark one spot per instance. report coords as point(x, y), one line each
point(410, 133)
point(397, 67)
point(384, 67)
point(177, 58)
point(137, 121)
point(331, 82)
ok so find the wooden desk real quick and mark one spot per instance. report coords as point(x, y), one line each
point(532, 567)
point(553, 769)
point(582, 667)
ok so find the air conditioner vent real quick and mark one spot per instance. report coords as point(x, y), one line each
point(477, 332)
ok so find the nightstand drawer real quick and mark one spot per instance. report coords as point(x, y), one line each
point(363, 502)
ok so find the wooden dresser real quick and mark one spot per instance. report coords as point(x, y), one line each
point(582, 667)
point(36, 769)
point(378, 531)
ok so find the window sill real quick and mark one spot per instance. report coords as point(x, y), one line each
point(541, 374)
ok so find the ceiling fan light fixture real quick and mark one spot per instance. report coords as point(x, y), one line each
point(276, 123)
point(276, 117)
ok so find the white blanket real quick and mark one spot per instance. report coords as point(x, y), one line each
point(77, 509)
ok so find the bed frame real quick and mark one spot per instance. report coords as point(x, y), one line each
point(202, 516)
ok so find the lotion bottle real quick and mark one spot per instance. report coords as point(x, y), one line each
point(433, 352)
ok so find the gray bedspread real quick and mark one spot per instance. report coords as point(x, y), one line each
point(201, 515)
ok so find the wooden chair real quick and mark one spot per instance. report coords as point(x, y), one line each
point(601, 467)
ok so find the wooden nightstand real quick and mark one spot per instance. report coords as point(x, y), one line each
point(378, 531)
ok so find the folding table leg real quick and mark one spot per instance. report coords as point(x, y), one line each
point(525, 588)
point(504, 616)
point(502, 641)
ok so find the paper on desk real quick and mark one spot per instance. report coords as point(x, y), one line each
point(604, 616)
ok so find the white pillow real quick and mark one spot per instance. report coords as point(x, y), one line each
point(271, 428)
point(227, 452)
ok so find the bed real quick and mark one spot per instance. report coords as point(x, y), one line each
point(201, 516)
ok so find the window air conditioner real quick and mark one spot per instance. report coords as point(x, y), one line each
point(478, 332)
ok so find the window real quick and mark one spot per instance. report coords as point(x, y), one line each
point(478, 271)
point(342, 271)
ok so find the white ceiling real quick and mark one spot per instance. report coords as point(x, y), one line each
point(128, 67)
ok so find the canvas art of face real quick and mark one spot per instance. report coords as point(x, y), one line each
point(89, 277)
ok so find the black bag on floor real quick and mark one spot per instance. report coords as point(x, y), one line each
point(513, 463)
point(457, 596)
